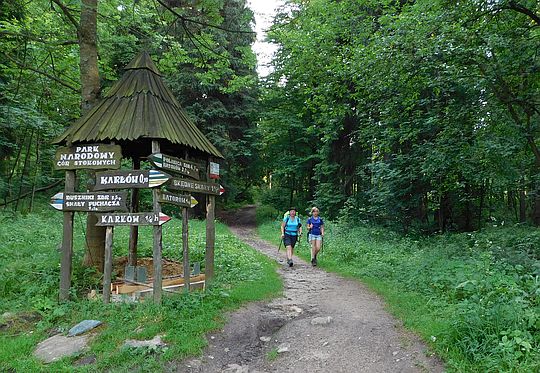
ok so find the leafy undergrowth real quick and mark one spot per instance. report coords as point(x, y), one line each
point(474, 297)
point(29, 275)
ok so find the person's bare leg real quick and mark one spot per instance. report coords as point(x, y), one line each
point(289, 252)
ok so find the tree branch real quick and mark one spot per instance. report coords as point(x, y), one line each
point(42, 189)
point(37, 38)
point(513, 5)
point(67, 13)
point(52, 77)
point(185, 19)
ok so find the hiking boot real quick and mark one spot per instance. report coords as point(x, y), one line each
point(314, 262)
point(289, 262)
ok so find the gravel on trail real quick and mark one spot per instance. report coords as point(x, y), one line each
point(322, 323)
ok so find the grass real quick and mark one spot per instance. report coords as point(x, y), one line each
point(473, 297)
point(272, 354)
point(29, 274)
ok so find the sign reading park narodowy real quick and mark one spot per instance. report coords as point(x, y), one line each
point(195, 186)
point(183, 200)
point(96, 201)
point(96, 156)
point(173, 164)
point(129, 179)
point(139, 218)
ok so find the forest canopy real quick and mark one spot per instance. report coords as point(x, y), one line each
point(411, 113)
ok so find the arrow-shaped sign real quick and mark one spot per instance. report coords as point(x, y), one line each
point(184, 200)
point(87, 202)
point(173, 164)
point(130, 179)
point(195, 186)
point(139, 218)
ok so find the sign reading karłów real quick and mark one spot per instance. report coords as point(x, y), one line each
point(88, 202)
point(139, 218)
point(184, 200)
point(173, 164)
point(96, 156)
point(130, 179)
point(195, 186)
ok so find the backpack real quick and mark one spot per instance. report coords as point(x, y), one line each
point(287, 221)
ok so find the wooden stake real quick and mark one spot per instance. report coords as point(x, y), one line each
point(185, 246)
point(210, 231)
point(107, 268)
point(67, 243)
point(158, 275)
point(134, 229)
point(210, 237)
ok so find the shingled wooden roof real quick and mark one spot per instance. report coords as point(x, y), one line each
point(138, 106)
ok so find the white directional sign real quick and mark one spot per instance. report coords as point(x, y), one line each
point(130, 179)
point(139, 218)
point(88, 202)
point(195, 186)
point(173, 164)
point(184, 200)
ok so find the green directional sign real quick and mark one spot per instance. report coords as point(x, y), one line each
point(173, 164)
point(195, 186)
point(130, 179)
point(183, 200)
point(89, 202)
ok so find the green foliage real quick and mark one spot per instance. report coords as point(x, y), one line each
point(211, 70)
point(29, 254)
point(472, 296)
point(419, 114)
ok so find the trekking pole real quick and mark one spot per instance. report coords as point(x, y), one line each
point(280, 242)
point(322, 243)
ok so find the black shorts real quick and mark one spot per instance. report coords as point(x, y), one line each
point(289, 240)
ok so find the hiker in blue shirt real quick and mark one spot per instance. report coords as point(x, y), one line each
point(291, 229)
point(315, 226)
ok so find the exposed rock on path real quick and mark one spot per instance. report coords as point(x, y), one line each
point(327, 323)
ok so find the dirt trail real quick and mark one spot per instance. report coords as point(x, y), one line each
point(323, 323)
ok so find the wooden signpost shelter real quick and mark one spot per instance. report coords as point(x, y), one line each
point(139, 118)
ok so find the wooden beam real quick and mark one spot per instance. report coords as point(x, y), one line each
point(67, 243)
point(185, 247)
point(107, 268)
point(158, 275)
point(210, 237)
point(134, 229)
point(210, 233)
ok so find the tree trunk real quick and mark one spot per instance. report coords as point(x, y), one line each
point(88, 62)
point(90, 89)
point(522, 206)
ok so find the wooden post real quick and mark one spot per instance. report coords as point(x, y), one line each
point(134, 229)
point(107, 268)
point(185, 247)
point(210, 237)
point(158, 275)
point(210, 232)
point(67, 243)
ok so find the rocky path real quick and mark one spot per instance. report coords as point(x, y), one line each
point(323, 323)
